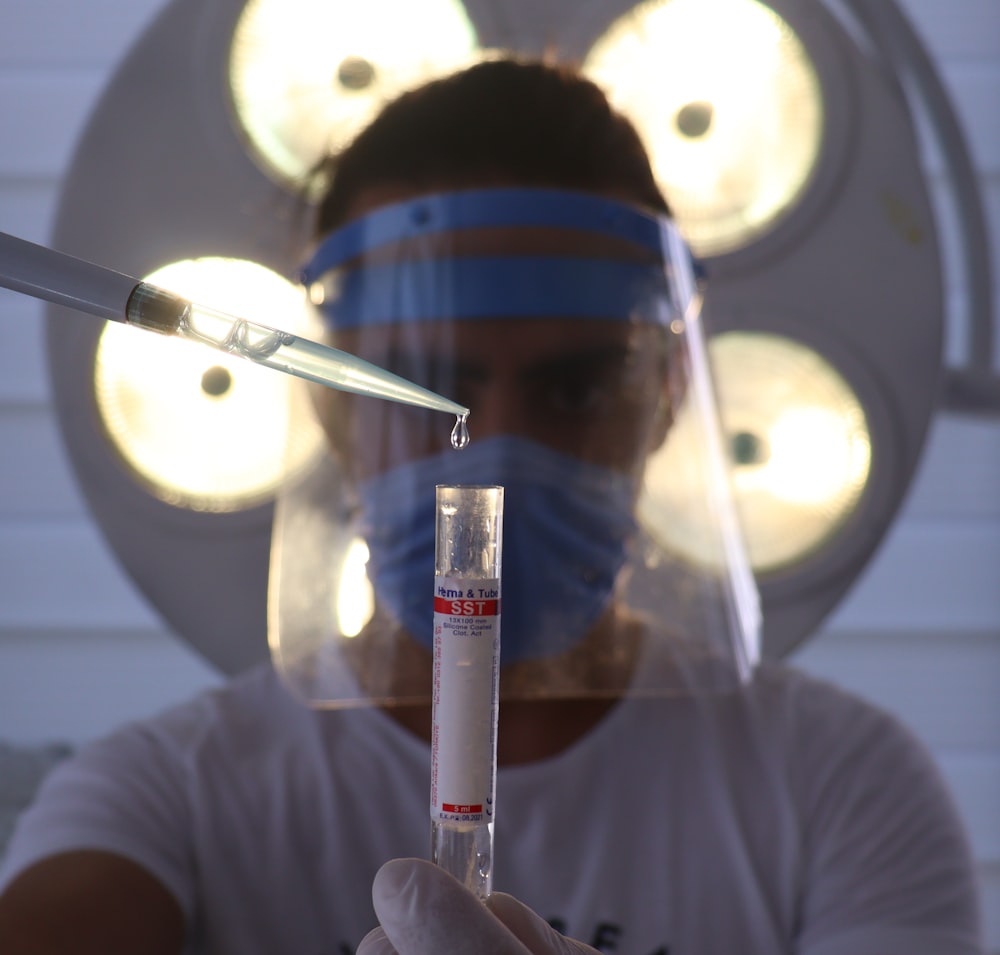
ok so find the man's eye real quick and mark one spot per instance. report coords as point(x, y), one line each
point(575, 393)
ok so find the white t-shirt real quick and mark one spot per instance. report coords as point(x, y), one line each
point(787, 818)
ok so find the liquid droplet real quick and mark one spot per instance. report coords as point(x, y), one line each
point(460, 433)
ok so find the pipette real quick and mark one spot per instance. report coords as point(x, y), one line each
point(53, 276)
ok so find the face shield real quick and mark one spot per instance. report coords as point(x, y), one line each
point(568, 323)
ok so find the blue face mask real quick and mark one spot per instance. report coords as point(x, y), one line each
point(566, 528)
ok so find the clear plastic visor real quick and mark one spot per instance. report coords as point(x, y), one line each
point(568, 324)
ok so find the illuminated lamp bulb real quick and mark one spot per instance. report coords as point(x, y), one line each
point(729, 105)
point(355, 602)
point(306, 75)
point(798, 443)
point(204, 430)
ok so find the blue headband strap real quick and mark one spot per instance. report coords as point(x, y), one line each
point(508, 287)
point(485, 208)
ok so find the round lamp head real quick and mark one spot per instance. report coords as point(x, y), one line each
point(728, 101)
point(799, 444)
point(305, 76)
point(203, 430)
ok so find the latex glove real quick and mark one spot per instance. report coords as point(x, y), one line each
point(422, 910)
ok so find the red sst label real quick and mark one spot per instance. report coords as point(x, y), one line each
point(466, 607)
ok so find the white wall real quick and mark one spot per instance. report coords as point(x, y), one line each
point(80, 650)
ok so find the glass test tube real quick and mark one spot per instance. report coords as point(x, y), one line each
point(466, 681)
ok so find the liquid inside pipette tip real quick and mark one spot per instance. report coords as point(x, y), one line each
point(460, 433)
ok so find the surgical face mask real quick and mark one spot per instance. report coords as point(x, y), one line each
point(566, 529)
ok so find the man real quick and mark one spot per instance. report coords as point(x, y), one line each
point(498, 236)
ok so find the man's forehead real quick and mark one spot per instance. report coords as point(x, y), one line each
point(517, 336)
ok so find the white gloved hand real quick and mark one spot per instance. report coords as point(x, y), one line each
point(422, 910)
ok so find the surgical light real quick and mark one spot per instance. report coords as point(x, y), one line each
point(729, 103)
point(203, 430)
point(819, 244)
point(799, 447)
point(798, 440)
point(306, 75)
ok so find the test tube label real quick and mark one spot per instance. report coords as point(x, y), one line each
point(466, 673)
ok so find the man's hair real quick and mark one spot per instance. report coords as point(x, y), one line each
point(500, 122)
